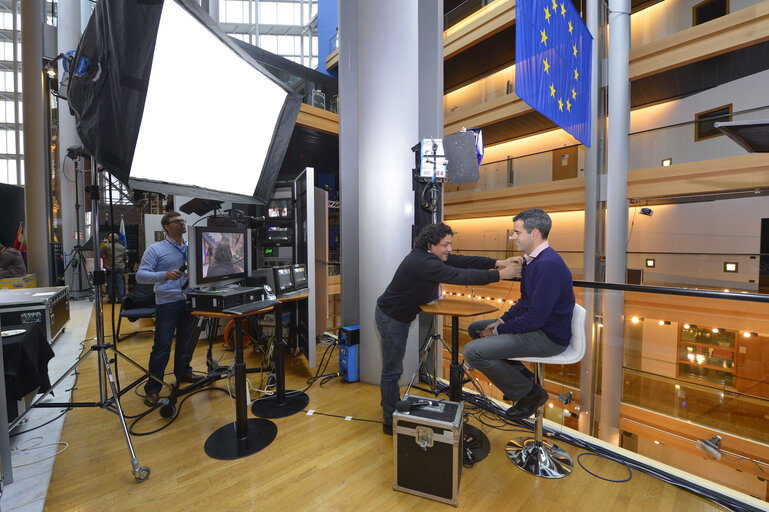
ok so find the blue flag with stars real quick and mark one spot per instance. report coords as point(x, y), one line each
point(553, 59)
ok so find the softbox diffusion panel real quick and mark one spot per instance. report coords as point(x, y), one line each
point(169, 103)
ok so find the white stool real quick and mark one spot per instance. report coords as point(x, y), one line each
point(533, 454)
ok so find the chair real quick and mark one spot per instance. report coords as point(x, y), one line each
point(138, 303)
point(533, 454)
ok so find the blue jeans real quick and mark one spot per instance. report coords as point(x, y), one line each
point(489, 356)
point(169, 318)
point(393, 336)
point(118, 276)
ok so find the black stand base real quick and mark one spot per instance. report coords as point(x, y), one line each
point(224, 444)
point(476, 441)
point(269, 406)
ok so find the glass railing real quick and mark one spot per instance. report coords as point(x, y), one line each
point(462, 11)
point(318, 94)
point(667, 18)
point(666, 370)
point(491, 87)
point(333, 43)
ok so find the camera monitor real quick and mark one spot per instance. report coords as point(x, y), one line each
point(279, 209)
point(284, 280)
point(299, 273)
point(218, 256)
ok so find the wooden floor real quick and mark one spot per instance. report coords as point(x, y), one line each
point(316, 462)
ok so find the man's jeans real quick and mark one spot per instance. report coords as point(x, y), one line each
point(393, 336)
point(169, 318)
point(489, 356)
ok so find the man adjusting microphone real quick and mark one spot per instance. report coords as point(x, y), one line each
point(416, 282)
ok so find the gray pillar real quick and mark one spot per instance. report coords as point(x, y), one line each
point(430, 119)
point(593, 166)
point(387, 70)
point(36, 177)
point(68, 34)
point(617, 218)
point(348, 160)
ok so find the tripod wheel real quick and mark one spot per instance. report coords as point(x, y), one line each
point(168, 411)
point(142, 474)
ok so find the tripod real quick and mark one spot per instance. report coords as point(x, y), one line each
point(76, 258)
point(109, 403)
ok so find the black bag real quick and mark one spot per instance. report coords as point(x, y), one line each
point(140, 296)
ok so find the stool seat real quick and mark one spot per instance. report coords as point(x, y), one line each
point(532, 454)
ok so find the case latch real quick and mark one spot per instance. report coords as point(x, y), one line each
point(424, 437)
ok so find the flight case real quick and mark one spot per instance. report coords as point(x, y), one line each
point(427, 449)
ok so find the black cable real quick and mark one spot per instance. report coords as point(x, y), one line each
point(173, 418)
point(41, 425)
point(630, 471)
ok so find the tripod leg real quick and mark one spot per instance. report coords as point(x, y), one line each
point(140, 473)
point(422, 359)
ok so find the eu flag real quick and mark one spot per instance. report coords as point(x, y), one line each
point(553, 58)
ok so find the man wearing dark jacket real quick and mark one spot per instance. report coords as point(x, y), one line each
point(416, 282)
point(538, 325)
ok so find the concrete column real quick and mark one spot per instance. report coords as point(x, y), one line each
point(388, 120)
point(37, 181)
point(348, 160)
point(617, 216)
point(68, 34)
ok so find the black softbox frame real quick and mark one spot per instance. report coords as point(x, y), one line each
point(107, 99)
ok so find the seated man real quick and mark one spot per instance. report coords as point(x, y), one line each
point(11, 263)
point(538, 325)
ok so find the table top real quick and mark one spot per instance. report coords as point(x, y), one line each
point(291, 298)
point(459, 307)
point(219, 314)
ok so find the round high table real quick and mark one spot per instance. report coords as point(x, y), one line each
point(474, 440)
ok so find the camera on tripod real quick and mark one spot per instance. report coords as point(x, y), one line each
point(75, 152)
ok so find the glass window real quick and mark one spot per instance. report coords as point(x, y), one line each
point(704, 127)
point(269, 43)
point(268, 13)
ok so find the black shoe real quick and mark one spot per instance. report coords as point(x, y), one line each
point(528, 405)
point(387, 429)
point(191, 377)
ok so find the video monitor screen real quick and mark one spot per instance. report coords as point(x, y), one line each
point(279, 208)
point(278, 234)
point(223, 254)
point(283, 279)
point(300, 276)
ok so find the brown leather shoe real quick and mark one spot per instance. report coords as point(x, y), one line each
point(191, 377)
point(151, 399)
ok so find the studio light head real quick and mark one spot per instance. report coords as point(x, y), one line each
point(220, 135)
point(75, 152)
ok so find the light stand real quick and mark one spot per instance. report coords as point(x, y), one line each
point(77, 260)
point(111, 404)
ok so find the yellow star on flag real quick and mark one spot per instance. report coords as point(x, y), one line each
point(544, 37)
point(575, 49)
point(547, 67)
point(573, 94)
point(576, 75)
point(555, 6)
point(568, 105)
point(570, 27)
point(560, 105)
point(547, 14)
point(563, 11)
point(552, 90)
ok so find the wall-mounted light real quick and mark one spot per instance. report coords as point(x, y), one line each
point(690, 326)
point(636, 319)
point(730, 266)
point(667, 162)
point(650, 262)
point(664, 322)
point(749, 334)
point(564, 160)
point(715, 330)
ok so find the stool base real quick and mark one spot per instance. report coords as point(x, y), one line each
point(540, 459)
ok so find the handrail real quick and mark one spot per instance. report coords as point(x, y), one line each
point(667, 290)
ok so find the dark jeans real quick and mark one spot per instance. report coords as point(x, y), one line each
point(169, 318)
point(393, 336)
point(490, 356)
point(118, 276)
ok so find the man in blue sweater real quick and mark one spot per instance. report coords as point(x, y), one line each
point(538, 325)
point(416, 282)
point(161, 265)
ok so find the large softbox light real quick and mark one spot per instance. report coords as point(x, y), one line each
point(168, 103)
